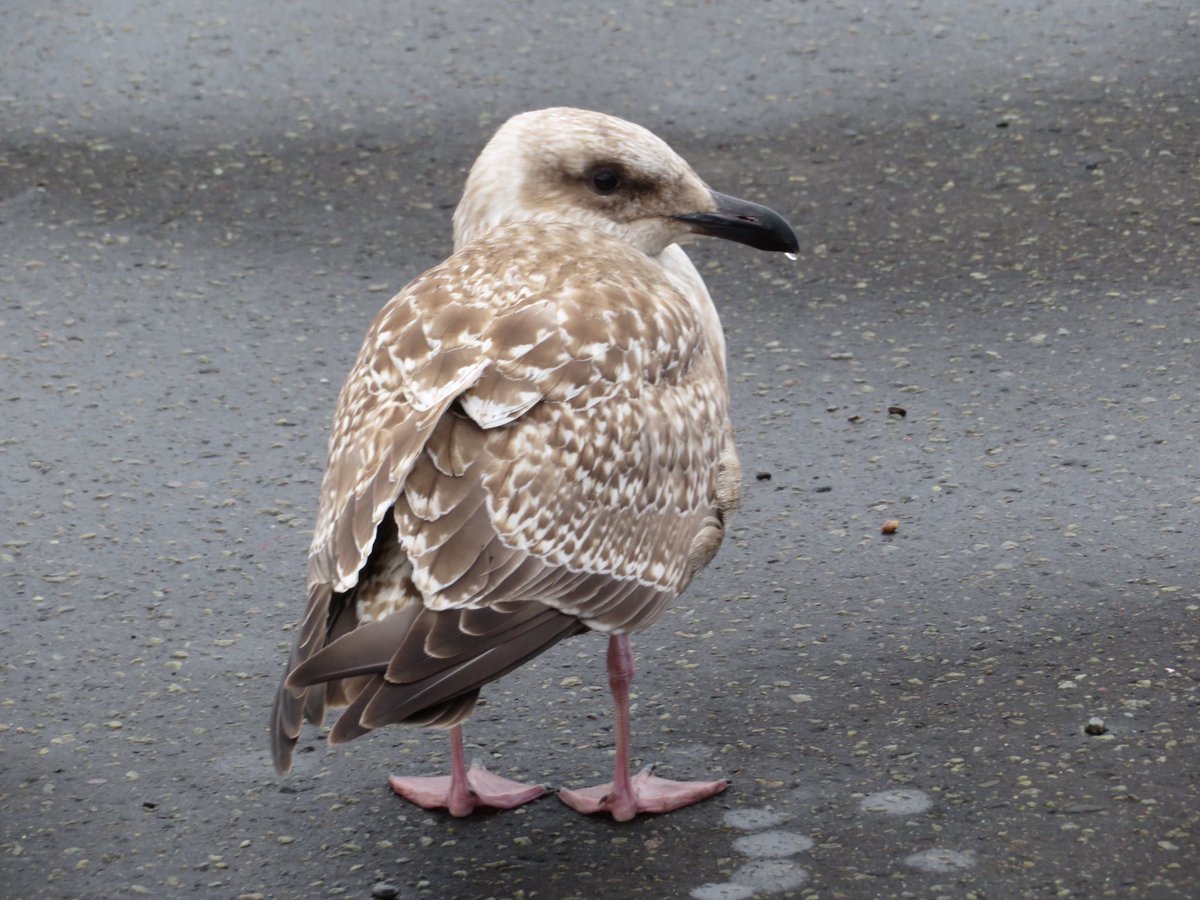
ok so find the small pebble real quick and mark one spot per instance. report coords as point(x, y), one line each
point(1095, 725)
point(890, 526)
point(385, 891)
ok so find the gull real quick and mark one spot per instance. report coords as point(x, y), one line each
point(533, 443)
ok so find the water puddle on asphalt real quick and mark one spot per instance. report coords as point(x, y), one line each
point(772, 844)
point(896, 802)
point(754, 819)
point(768, 876)
point(726, 890)
point(940, 861)
point(769, 870)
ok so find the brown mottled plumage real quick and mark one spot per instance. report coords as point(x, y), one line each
point(534, 440)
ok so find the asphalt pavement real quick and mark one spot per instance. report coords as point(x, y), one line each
point(991, 335)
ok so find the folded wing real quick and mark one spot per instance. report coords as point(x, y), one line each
point(533, 442)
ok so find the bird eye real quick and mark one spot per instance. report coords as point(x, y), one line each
point(605, 181)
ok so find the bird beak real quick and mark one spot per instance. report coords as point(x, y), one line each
point(744, 222)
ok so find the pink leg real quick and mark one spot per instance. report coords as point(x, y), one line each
point(464, 790)
point(624, 796)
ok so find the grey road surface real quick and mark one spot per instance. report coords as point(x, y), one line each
point(992, 335)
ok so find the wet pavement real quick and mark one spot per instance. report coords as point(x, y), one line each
point(992, 335)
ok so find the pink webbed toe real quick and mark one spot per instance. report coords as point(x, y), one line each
point(481, 789)
point(644, 793)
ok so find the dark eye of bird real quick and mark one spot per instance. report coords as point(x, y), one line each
point(605, 181)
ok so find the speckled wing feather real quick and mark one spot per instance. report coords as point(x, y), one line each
point(542, 422)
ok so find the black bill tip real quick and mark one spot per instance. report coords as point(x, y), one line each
point(744, 222)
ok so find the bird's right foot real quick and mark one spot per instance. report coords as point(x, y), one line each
point(482, 789)
point(646, 793)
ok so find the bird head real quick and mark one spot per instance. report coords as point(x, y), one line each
point(575, 167)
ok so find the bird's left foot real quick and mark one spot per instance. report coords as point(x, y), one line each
point(645, 793)
point(481, 789)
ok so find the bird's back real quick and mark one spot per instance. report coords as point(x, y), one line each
point(534, 438)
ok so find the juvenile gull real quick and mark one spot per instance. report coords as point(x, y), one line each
point(533, 443)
